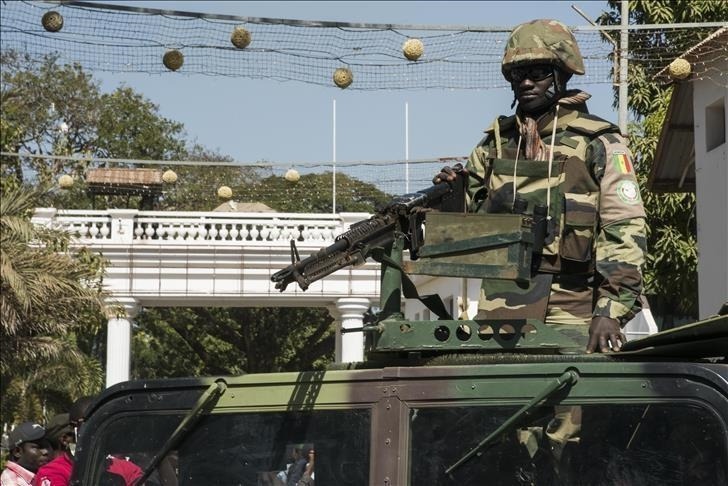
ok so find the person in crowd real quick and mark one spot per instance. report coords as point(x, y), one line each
point(59, 435)
point(28, 452)
point(58, 471)
point(298, 466)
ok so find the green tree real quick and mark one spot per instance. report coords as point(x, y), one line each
point(211, 341)
point(37, 100)
point(196, 187)
point(313, 194)
point(53, 109)
point(671, 267)
point(45, 288)
point(130, 126)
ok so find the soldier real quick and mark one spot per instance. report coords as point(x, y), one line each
point(555, 156)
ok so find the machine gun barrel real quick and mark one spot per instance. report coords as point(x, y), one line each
point(345, 251)
point(352, 247)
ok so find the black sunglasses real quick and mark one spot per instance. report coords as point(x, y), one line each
point(534, 73)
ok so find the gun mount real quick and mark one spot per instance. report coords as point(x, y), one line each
point(442, 240)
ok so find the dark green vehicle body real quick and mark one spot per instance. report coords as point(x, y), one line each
point(646, 419)
point(444, 402)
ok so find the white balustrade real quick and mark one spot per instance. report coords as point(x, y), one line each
point(196, 228)
point(187, 258)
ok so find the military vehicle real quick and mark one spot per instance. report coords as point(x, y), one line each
point(435, 402)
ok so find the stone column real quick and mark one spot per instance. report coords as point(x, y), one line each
point(352, 311)
point(121, 311)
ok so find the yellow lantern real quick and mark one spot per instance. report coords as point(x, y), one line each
point(225, 193)
point(240, 37)
point(65, 181)
point(173, 59)
point(343, 77)
point(413, 49)
point(52, 21)
point(679, 69)
point(170, 177)
point(292, 175)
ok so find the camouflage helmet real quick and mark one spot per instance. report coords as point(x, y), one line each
point(542, 41)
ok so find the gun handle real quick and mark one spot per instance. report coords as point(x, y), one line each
point(454, 202)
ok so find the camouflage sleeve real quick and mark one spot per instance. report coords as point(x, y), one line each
point(477, 164)
point(621, 241)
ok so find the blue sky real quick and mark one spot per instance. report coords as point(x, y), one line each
point(288, 122)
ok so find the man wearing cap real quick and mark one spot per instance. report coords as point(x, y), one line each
point(59, 434)
point(27, 453)
point(554, 158)
point(58, 471)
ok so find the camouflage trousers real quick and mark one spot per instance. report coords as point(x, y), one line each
point(563, 302)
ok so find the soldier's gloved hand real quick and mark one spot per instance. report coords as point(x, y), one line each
point(448, 174)
point(602, 332)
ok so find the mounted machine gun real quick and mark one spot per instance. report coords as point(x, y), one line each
point(442, 240)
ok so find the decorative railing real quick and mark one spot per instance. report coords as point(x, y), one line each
point(123, 226)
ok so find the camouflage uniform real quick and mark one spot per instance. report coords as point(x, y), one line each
point(591, 260)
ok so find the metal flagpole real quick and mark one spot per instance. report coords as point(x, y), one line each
point(333, 204)
point(406, 147)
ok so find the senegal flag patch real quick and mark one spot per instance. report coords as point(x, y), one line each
point(622, 163)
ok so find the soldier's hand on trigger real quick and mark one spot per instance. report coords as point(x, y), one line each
point(448, 174)
point(604, 331)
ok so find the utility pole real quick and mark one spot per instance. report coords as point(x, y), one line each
point(623, 52)
point(620, 67)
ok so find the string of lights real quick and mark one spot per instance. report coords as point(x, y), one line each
point(119, 39)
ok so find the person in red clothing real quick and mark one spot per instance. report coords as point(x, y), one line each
point(58, 471)
point(55, 473)
point(123, 471)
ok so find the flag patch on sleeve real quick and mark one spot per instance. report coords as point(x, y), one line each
point(622, 163)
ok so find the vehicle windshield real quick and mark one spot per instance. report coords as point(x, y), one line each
point(271, 448)
point(666, 444)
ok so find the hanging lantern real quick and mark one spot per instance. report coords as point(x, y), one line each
point(413, 49)
point(343, 77)
point(679, 69)
point(169, 176)
point(173, 59)
point(52, 21)
point(292, 175)
point(65, 181)
point(225, 193)
point(240, 37)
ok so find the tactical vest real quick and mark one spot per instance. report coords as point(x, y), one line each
point(574, 193)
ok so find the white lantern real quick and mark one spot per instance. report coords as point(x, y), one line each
point(292, 175)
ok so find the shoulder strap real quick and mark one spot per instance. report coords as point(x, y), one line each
point(588, 124)
point(502, 122)
point(499, 125)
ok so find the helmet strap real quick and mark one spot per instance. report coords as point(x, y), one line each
point(558, 87)
point(554, 91)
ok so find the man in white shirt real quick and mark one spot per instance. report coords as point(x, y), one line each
point(27, 453)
